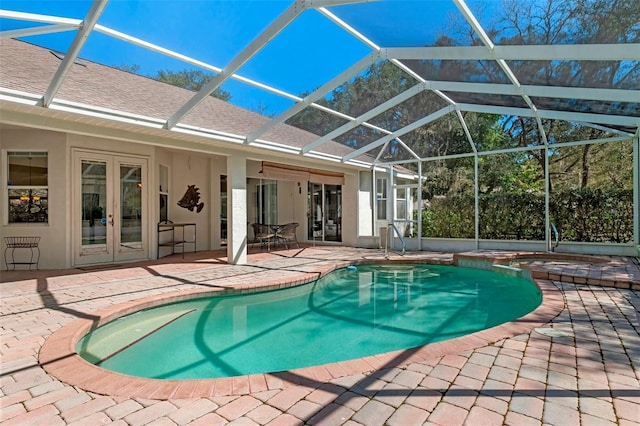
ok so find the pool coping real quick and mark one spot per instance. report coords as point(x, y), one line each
point(59, 358)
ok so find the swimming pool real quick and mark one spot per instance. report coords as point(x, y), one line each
point(350, 313)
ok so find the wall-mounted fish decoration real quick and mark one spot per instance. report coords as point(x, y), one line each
point(190, 199)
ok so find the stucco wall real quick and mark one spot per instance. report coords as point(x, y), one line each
point(365, 205)
point(203, 171)
point(350, 210)
point(54, 244)
point(191, 169)
point(185, 168)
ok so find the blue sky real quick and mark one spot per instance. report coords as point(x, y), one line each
point(310, 51)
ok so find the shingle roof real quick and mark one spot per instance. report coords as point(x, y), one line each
point(30, 68)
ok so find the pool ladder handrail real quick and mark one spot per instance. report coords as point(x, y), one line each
point(390, 228)
point(552, 246)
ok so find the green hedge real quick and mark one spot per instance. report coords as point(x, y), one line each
point(449, 217)
point(506, 216)
point(593, 215)
point(585, 215)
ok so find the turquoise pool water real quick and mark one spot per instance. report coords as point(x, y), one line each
point(351, 313)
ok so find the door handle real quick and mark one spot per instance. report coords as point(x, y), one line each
point(111, 221)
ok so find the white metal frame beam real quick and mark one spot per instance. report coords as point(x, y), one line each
point(568, 116)
point(471, 19)
point(636, 192)
point(48, 29)
point(348, 28)
point(546, 52)
point(514, 149)
point(614, 120)
point(467, 133)
point(317, 94)
point(608, 129)
point(66, 24)
point(563, 92)
point(74, 50)
point(380, 108)
point(406, 129)
point(412, 91)
point(34, 17)
point(292, 12)
point(598, 52)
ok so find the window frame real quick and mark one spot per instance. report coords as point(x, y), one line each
point(41, 201)
point(381, 198)
point(163, 192)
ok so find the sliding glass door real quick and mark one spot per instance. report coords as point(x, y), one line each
point(262, 201)
point(324, 214)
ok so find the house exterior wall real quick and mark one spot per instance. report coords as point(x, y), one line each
point(350, 218)
point(184, 168)
point(217, 168)
point(188, 168)
point(365, 204)
point(54, 245)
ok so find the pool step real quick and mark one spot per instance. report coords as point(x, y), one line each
point(511, 271)
point(129, 331)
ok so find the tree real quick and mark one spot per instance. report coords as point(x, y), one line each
point(380, 82)
point(133, 69)
point(192, 80)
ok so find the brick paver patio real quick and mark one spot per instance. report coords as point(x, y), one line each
point(579, 367)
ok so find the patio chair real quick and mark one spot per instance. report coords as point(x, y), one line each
point(287, 233)
point(263, 234)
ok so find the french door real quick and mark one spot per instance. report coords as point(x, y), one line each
point(110, 208)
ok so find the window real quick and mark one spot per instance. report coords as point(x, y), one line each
point(27, 187)
point(381, 198)
point(267, 201)
point(401, 204)
point(164, 193)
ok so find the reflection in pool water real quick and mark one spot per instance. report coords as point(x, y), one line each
point(350, 313)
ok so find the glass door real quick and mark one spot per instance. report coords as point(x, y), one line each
point(110, 219)
point(333, 215)
point(96, 235)
point(223, 210)
point(129, 237)
point(324, 217)
point(315, 214)
point(267, 202)
point(262, 201)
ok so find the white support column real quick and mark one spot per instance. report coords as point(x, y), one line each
point(237, 210)
point(547, 198)
point(636, 189)
point(391, 197)
point(476, 197)
point(419, 195)
point(374, 202)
